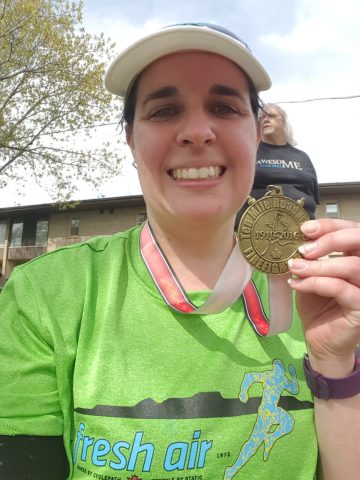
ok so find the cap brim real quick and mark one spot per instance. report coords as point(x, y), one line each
point(132, 61)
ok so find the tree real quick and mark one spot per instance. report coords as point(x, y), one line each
point(51, 96)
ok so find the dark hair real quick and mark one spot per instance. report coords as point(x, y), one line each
point(129, 102)
point(128, 113)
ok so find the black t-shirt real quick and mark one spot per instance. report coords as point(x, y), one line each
point(288, 167)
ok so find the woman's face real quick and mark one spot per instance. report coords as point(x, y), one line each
point(272, 127)
point(194, 138)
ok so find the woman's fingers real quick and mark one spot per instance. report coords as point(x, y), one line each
point(328, 236)
point(335, 276)
point(315, 228)
point(328, 286)
point(342, 267)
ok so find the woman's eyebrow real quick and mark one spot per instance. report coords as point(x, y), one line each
point(163, 92)
point(225, 90)
point(169, 91)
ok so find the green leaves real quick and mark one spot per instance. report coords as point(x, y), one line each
point(51, 96)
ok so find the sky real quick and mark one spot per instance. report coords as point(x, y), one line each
point(310, 49)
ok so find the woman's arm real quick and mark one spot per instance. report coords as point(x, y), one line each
point(31, 423)
point(338, 430)
point(328, 299)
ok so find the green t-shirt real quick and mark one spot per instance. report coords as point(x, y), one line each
point(89, 350)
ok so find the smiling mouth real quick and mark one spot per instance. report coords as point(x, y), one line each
point(196, 173)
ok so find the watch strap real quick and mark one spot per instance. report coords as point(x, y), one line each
point(333, 388)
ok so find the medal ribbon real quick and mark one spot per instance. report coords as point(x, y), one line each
point(233, 282)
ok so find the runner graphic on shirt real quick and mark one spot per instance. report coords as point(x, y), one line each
point(273, 422)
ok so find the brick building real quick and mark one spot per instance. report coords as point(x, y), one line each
point(28, 231)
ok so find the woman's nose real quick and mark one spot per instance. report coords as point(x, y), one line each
point(196, 130)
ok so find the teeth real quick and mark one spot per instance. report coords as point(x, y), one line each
point(194, 173)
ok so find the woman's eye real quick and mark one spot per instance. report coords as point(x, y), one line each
point(164, 112)
point(225, 110)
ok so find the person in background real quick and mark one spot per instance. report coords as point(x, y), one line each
point(117, 362)
point(278, 162)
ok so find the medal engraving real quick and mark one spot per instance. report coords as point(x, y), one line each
point(269, 231)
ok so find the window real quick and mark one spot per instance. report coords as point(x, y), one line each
point(74, 227)
point(2, 232)
point(17, 233)
point(141, 218)
point(42, 228)
point(332, 210)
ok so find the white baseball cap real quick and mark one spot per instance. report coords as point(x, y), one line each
point(126, 67)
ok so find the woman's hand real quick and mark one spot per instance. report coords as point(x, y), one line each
point(328, 293)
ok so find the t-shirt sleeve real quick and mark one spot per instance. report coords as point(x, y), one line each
point(29, 399)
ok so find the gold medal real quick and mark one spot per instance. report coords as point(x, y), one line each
point(269, 231)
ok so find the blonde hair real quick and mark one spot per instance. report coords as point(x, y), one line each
point(288, 131)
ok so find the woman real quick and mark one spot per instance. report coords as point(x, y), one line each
point(108, 356)
point(279, 162)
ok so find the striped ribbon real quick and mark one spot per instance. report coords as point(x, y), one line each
point(234, 281)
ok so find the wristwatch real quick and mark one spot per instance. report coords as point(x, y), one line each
point(333, 388)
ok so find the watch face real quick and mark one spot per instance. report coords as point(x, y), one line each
point(269, 231)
